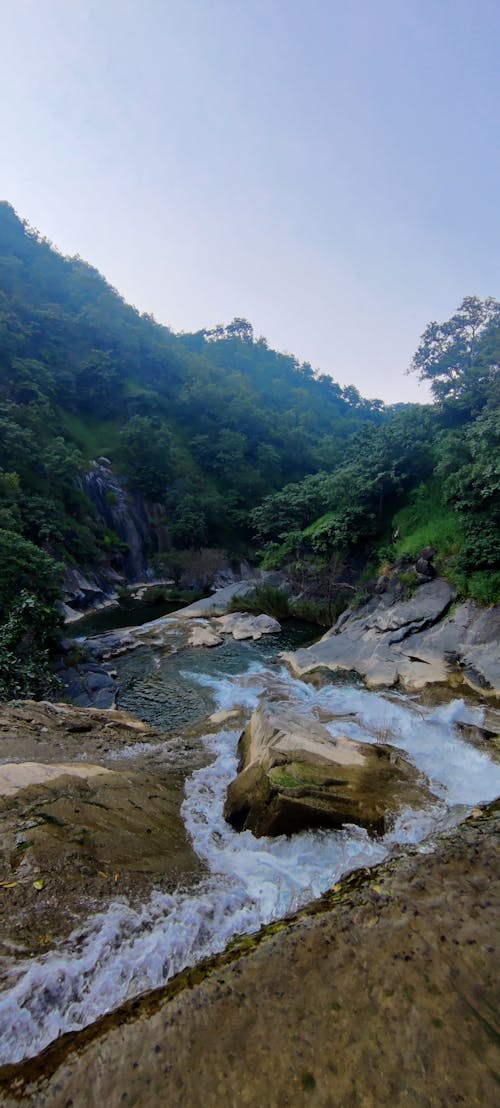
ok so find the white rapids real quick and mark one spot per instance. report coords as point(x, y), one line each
point(123, 951)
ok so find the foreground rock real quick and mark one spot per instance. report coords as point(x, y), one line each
point(382, 993)
point(294, 774)
point(415, 642)
point(75, 834)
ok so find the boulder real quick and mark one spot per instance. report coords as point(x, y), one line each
point(423, 564)
point(201, 634)
point(294, 774)
point(242, 625)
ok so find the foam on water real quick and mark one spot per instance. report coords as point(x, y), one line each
point(124, 951)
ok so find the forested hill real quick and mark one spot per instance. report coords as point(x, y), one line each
point(234, 444)
point(207, 423)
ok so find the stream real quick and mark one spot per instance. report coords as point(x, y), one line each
point(123, 951)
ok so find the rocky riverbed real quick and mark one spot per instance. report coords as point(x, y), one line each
point(119, 868)
point(384, 992)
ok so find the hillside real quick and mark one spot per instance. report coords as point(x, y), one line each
point(428, 478)
point(207, 423)
point(223, 442)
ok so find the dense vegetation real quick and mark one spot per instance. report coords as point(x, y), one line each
point(233, 439)
point(429, 476)
point(207, 423)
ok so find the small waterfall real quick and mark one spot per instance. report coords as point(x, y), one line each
point(123, 951)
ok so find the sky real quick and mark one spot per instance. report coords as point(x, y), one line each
point(328, 170)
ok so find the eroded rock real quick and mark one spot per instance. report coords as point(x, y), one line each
point(76, 833)
point(295, 774)
point(242, 625)
point(388, 984)
point(200, 634)
point(415, 643)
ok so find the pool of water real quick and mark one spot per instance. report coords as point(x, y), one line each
point(126, 613)
point(173, 690)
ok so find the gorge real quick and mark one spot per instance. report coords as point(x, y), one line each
point(290, 762)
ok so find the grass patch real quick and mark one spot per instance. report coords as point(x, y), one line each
point(266, 600)
point(313, 611)
point(482, 586)
point(93, 437)
point(427, 521)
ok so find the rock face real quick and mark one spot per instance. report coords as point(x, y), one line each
point(137, 522)
point(76, 833)
point(413, 642)
point(294, 774)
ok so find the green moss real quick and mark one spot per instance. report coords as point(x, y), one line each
point(308, 1081)
point(284, 780)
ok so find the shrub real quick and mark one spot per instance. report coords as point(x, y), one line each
point(31, 622)
point(312, 611)
point(264, 600)
point(26, 639)
point(482, 586)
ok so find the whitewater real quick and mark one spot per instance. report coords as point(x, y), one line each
point(124, 951)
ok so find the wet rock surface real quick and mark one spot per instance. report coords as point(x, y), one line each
point(76, 834)
point(88, 683)
point(295, 774)
point(383, 992)
point(414, 642)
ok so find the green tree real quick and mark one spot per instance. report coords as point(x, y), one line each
point(30, 622)
point(145, 451)
point(461, 357)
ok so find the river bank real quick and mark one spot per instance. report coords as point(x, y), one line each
point(381, 993)
point(120, 855)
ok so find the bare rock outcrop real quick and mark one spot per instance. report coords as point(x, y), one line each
point(78, 827)
point(415, 642)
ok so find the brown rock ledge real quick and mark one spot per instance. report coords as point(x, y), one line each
point(382, 993)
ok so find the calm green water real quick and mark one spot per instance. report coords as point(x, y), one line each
point(161, 688)
point(127, 613)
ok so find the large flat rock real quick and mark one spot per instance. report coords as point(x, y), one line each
point(76, 832)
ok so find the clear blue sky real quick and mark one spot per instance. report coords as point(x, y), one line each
point(330, 170)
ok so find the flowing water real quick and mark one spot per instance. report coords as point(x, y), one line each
point(123, 951)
